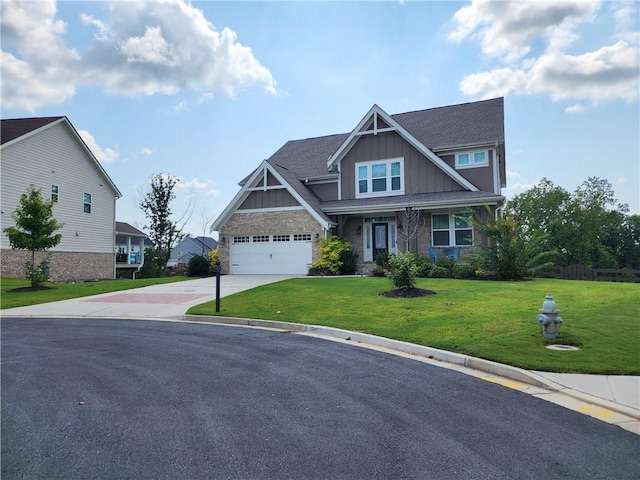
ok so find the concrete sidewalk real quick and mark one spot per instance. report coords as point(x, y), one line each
point(617, 394)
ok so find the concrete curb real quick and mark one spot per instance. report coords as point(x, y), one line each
point(487, 366)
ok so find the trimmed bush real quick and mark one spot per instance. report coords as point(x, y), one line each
point(337, 257)
point(198, 267)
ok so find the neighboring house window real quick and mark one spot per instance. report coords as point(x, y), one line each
point(380, 178)
point(281, 238)
point(472, 159)
point(87, 203)
point(260, 238)
point(240, 239)
point(303, 237)
point(54, 193)
point(451, 230)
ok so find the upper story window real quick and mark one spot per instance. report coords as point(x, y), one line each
point(54, 193)
point(379, 178)
point(87, 202)
point(479, 158)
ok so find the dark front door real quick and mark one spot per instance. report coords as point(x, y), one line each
point(380, 235)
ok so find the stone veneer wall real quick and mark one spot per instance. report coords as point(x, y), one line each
point(278, 223)
point(63, 266)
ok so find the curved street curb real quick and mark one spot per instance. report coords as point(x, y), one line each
point(487, 366)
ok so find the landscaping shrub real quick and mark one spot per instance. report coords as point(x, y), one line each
point(402, 270)
point(464, 271)
point(337, 257)
point(440, 272)
point(423, 265)
point(213, 256)
point(198, 267)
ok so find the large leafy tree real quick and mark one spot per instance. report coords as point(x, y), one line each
point(586, 227)
point(34, 231)
point(164, 232)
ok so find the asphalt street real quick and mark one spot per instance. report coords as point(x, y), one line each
point(102, 398)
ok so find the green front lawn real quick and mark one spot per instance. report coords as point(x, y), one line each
point(492, 320)
point(9, 298)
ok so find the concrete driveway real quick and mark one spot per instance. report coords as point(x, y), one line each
point(166, 301)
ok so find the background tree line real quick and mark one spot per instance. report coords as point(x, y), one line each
point(588, 227)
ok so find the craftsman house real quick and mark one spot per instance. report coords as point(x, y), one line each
point(394, 183)
point(49, 153)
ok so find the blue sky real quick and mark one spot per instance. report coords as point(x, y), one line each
point(206, 90)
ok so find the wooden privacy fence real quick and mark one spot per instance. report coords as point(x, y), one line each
point(580, 272)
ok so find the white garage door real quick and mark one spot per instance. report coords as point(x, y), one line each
point(271, 254)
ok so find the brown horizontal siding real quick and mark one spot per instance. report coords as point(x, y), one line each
point(277, 198)
point(420, 174)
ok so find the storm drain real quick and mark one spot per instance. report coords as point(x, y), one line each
point(567, 348)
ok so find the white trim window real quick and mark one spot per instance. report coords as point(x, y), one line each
point(54, 193)
point(479, 158)
point(86, 197)
point(380, 178)
point(453, 230)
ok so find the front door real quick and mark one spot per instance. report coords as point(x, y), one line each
point(380, 243)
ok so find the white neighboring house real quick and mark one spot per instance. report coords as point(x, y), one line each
point(191, 247)
point(49, 153)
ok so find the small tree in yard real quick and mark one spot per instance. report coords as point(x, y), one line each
point(34, 231)
point(402, 270)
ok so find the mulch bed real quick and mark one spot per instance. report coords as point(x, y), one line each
point(29, 289)
point(407, 293)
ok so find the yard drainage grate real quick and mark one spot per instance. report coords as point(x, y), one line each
point(566, 348)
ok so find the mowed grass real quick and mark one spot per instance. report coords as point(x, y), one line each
point(492, 320)
point(64, 291)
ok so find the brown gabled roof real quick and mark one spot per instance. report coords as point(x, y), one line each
point(456, 125)
point(16, 127)
point(125, 228)
point(436, 128)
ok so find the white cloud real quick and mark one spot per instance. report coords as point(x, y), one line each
point(577, 108)
point(212, 193)
point(509, 31)
point(511, 175)
point(180, 106)
point(194, 184)
point(42, 72)
point(140, 48)
point(150, 48)
point(104, 155)
point(147, 151)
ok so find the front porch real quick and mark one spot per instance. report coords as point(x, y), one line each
point(436, 234)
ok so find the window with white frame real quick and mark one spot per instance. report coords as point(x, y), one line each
point(281, 238)
point(241, 239)
point(260, 238)
point(451, 230)
point(302, 237)
point(380, 178)
point(478, 158)
point(54, 193)
point(87, 202)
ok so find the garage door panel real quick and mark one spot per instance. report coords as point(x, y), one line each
point(283, 258)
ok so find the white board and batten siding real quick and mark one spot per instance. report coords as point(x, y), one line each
point(270, 255)
point(54, 157)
